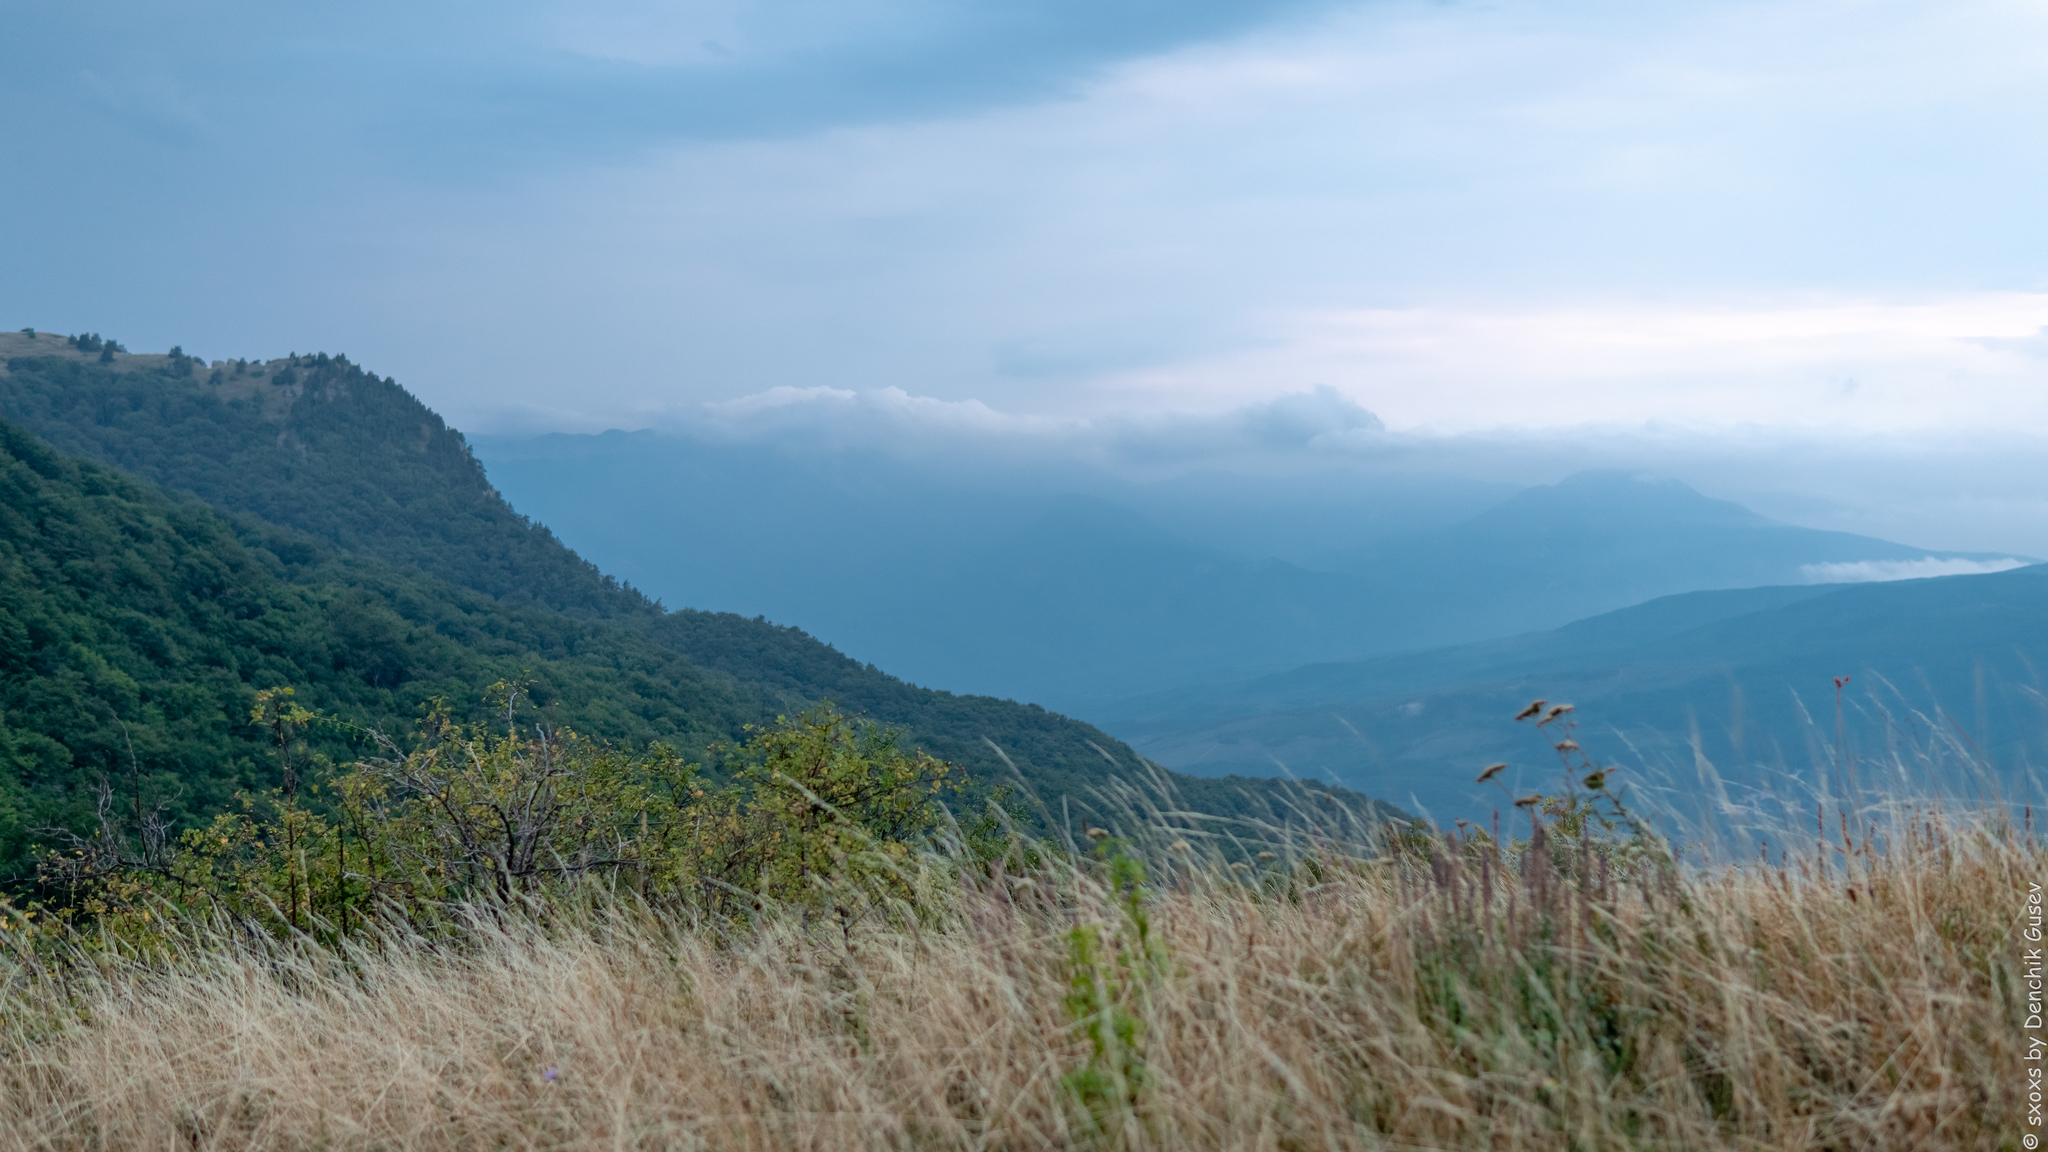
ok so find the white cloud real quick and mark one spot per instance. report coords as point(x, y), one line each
point(848, 415)
point(1953, 490)
point(1456, 216)
point(1322, 422)
point(1881, 571)
point(1871, 365)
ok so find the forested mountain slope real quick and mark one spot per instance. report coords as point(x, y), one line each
point(135, 628)
point(312, 443)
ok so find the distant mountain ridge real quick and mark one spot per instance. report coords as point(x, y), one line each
point(1078, 599)
point(1603, 539)
point(1739, 680)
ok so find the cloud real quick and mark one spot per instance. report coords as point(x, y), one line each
point(893, 421)
point(886, 418)
point(1302, 419)
point(1959, 361)
point(1958, 490)
point(1880, 571)
point(497, 85)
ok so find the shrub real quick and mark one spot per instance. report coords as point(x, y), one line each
point(821, 811)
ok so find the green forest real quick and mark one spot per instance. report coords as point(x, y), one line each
point(174, 540)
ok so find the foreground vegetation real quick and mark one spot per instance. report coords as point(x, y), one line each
point(541, 944)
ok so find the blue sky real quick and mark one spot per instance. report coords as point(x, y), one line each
point(1734, 221)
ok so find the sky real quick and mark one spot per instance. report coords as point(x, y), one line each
point(1794, 247)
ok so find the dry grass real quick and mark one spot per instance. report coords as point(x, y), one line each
point(1388, 1006)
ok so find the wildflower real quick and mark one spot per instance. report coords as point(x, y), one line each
point(1530, 800)
point(1556, 711)
point(1179, 846)
point(1098, 833)
point(1531, 710)
point(1597, 780)
point(1492, 770)
point(549, 1075)
point(1266, 856)
point(1567, 745)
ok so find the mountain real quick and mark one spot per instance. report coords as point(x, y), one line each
point(135, 627)
point(305, 522)
point(314, 444)
point(1076, 591)
point(1943, 675)
point(1603, 539)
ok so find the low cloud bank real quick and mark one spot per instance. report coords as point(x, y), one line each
point(1944, 491)
point(1882, 571)
point(1287, 429)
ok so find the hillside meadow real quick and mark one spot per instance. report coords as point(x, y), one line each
point(866, 972)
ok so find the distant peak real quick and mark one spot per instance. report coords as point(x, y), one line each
point(1620, 478)
point(1614, 496)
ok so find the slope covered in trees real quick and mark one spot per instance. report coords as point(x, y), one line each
point(312, 443)
point(135, 629)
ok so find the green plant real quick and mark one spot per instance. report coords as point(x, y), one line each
point(821, 812)
point(1586, 824)
point(826, 813)
point(1111, 972)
